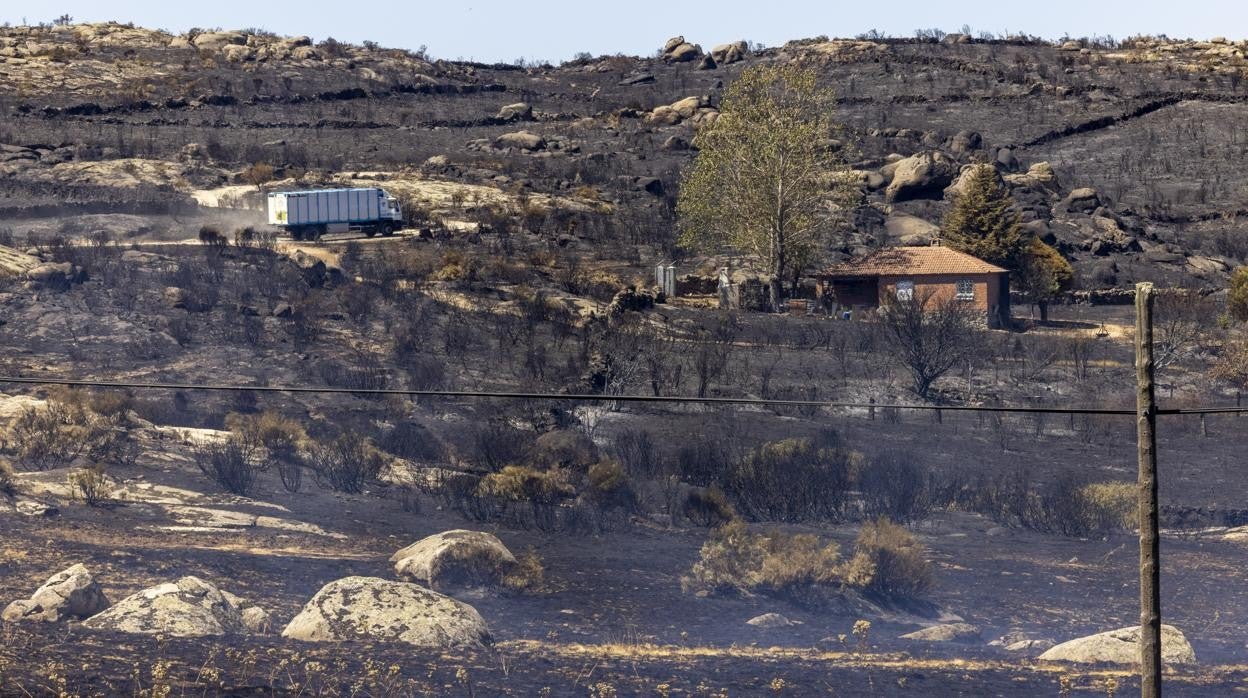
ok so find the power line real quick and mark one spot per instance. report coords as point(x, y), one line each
point(574, 397)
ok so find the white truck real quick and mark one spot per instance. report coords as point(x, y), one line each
point(307, 215)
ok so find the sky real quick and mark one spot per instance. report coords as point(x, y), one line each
point(555, 30)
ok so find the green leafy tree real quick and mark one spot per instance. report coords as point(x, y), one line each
point(982, 221)
point(770, 177)
point(1237, 295)
point(1043, 275)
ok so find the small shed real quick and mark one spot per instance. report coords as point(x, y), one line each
point(901, 272)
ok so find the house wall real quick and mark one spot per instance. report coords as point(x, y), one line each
point(943, 287)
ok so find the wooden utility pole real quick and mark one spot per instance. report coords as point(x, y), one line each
point(1146, 429)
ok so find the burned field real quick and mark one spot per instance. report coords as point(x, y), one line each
point(615, 548)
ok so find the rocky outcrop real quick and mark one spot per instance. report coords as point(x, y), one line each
point(923, 175)
point(1040, 175)
point(378, 610)
point(963, 633)
point(455, 559)
point(725, 54)
point(15, 263)
point(1121, 647)
point(674, 113)
point(189, 607)
point(677, 50)
point(72, 594)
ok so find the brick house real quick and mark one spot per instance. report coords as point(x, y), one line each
point(901, 272)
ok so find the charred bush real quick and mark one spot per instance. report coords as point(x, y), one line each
point(233, 464)
point(346, 463)
point(708, 507)
point(792, 480)
point(895, 486)
point(412, 441)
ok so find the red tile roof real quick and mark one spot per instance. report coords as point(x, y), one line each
point(912, 261)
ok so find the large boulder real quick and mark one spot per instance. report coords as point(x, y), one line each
point(964, 633)
point(1082, 200)
point(964, 142)
point(214, 41)
point(958, 188)
point(520, 111)
point(770, 620)
point(911, 230)
point(68, 595)
point(1039, 175)
point(730, 53)
point(53, 275)
point(923, 175)
point(1121, 647)
point(189, 607)
point(379, 610)
point(455, 559)
point(523, 140)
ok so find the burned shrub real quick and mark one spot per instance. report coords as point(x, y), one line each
point(888, 563)
point(708, 508)
point(735, 560)
point(282, 439)
point(346, 463)
point(67, 427)
point(636, 451)
point(607, 486)
point(8, 484)
point(702, 463)
point(792, 480)
point(412, 441)
point(572, 450)
point(895, 486)
point(91, 485)
point(496, 444)
point(233, 464)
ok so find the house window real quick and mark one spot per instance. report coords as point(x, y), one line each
point(905, 290)
point(966, 290)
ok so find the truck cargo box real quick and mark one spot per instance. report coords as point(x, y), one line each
point(327, 206)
